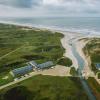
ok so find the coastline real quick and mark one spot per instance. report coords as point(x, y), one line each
point(65, 41)
point(53, 28)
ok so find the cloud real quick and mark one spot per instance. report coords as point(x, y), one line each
point(26, 8)
point(18, 3)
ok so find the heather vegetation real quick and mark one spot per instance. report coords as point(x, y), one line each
point(46, 88)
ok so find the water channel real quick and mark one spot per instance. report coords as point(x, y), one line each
point(81, 65)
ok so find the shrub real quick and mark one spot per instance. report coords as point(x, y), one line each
point(98, 75)
point(73, 71)
point(65, 62)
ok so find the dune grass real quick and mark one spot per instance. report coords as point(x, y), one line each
point(92, 49)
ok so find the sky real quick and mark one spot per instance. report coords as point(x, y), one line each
point(38, 8)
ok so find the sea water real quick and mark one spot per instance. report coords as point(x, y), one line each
point(84, 25)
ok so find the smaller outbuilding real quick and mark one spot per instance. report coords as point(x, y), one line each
point(97, 66)
point(33, 63)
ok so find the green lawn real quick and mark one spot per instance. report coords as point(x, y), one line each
point(46, 88)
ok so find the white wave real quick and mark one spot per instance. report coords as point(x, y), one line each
point(56, 28)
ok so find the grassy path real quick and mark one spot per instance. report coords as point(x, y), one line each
point(10, 53)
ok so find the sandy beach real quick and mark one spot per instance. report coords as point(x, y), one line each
point(68, 52)
point(86, 71)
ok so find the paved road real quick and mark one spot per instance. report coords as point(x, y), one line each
point(17, 81)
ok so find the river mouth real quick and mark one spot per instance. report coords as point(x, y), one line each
point(80, 60)
point(81, 65)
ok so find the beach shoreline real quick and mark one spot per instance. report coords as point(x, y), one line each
point(62, 70)
point(51, 28)
point(65, 41)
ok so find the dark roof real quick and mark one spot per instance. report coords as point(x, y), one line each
point(22, 70)
point(45, 65)
point(97, 65)
point(27, 69)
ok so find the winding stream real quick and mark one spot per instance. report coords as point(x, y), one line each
point(81, 64)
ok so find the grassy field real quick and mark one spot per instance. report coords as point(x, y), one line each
point(46, 88)
point(18, 45)
point(94, 86)
point(92, 49)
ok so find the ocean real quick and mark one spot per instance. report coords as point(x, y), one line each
point(90, 25)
